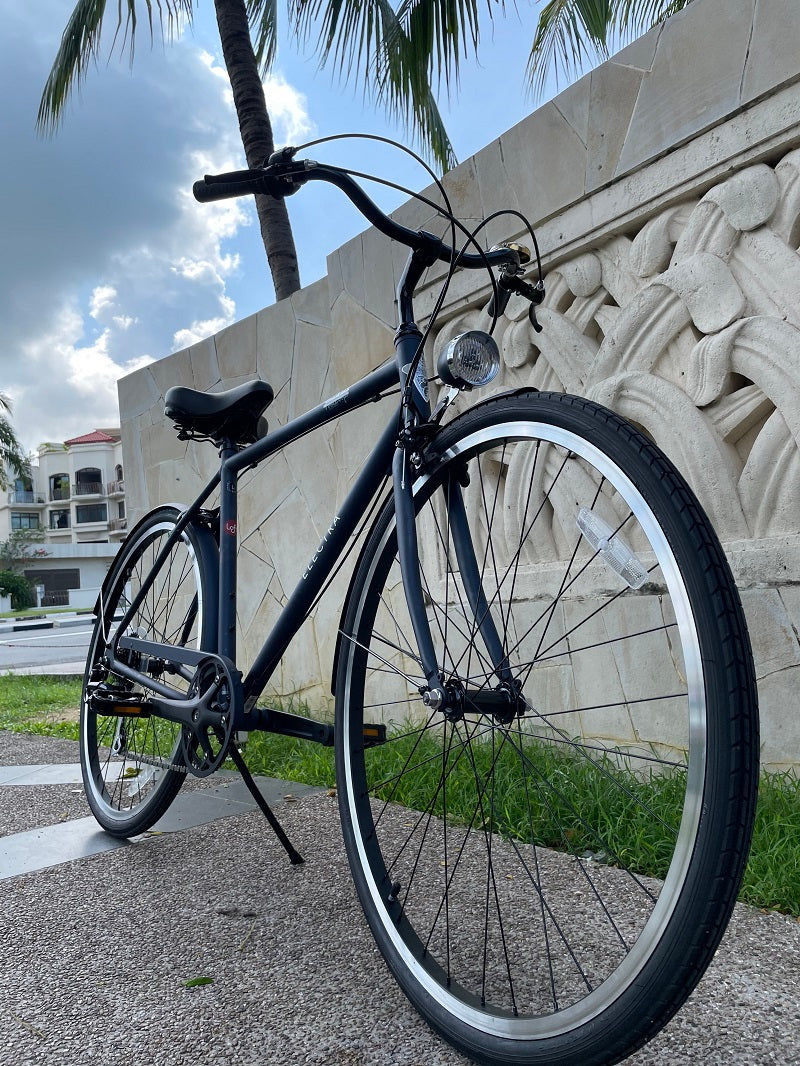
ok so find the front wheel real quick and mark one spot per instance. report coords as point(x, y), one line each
point(549, 864)
point(134, 766)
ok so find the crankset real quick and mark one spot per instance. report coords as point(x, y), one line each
point(206, 740)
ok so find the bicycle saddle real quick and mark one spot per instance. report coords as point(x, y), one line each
point(234, 414)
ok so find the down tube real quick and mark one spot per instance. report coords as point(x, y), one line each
point(342, 527)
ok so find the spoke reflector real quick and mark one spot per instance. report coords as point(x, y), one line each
point(611, 546)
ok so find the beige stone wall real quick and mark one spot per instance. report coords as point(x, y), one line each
point(665, 189)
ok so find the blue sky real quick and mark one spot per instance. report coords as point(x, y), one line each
point(107, 261)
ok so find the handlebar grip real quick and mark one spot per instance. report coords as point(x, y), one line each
point(235, 183)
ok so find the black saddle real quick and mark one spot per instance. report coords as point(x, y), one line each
point(233, 415)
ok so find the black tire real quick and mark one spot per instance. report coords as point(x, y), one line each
point(513, 912)
point(134, 767)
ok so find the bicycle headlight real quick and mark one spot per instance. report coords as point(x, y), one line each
point(469, 360)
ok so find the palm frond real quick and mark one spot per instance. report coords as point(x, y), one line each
point(80, 45)
point(366, 40)
point(11, 454)
point(634, 17)
point(263, 18)
point(568, 34)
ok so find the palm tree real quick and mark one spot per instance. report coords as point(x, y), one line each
point(374, 39)
point(397, 51)
point(12, 456)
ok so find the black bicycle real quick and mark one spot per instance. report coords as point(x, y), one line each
point(545, 711)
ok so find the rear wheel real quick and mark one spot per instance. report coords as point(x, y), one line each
point(549, 866)
point(134, 766)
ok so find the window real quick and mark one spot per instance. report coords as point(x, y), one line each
point(91, 512)
point(59, 519)
point(121, 509)
point(23, 520)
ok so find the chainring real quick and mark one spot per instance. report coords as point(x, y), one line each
point(206, 742)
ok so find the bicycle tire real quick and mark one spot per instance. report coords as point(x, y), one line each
point(134, 767)
point(519, 921)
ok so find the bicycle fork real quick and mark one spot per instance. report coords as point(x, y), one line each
point(450, 695)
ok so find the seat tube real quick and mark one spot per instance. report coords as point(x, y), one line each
point(228, 542)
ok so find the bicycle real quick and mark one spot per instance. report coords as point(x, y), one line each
point(541, 645)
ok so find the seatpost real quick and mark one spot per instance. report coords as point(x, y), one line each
point(228, 511)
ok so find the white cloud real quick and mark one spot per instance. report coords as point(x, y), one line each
point(102, 298)
point(288, 109)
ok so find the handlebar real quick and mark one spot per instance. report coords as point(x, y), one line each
point(281, 179)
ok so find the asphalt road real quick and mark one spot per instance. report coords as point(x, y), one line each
point(38, 649)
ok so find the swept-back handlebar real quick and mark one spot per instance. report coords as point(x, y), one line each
point(285, 178)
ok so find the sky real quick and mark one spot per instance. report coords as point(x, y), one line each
point(108, 263)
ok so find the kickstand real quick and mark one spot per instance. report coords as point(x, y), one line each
point(295, 857)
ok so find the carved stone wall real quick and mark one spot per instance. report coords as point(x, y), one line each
point(666, 193)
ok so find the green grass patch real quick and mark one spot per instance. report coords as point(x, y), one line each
point(635, 820)
point(41, 704)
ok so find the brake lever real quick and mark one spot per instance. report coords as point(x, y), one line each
point(513, 283)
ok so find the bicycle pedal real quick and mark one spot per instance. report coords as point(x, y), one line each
point(120, 706)
point(374, 734)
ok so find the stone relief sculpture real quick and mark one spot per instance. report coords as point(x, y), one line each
point(690, 328)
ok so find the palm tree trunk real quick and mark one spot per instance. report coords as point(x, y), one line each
point(256, 131)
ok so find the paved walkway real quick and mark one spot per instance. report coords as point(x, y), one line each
point(97, 939)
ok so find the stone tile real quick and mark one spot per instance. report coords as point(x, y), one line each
point(174, 370)
point(574, 104)
point(359, 340)
point(309, 368)
point(614, 90)
point(641, 53)
point(379, 285)
point(709, 90)
point(204, 365)
point(774, 48)
point(780, 722)
point(138, 392)
point(275, 341)
point(774, 640)
point(237, 351)
point(312, 304)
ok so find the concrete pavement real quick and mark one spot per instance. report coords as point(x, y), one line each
point(97, 946)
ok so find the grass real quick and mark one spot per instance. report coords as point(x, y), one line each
point(45, 705)
point(40, 704)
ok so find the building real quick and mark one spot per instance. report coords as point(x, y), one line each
point(75, 494)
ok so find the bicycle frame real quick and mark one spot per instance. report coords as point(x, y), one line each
point(391, 456)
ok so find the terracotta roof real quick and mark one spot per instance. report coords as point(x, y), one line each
point(97, 436)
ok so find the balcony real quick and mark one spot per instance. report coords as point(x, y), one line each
point(58, 495)
point(116, 525)
point(115, 488)
point(24, 496)
point(87, 488)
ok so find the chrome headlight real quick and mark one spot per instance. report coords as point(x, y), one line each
point(469, 360)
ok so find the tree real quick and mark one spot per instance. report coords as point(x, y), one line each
point(376, 39)
point(15, 586)
point(23, 546)
point(11, 454)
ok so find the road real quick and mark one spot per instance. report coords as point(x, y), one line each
point(37, 650)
